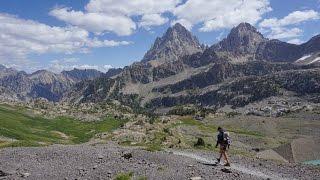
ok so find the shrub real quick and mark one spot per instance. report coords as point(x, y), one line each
point(200, 142)
point(124, 176)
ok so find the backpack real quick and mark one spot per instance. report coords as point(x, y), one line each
point(226, 138)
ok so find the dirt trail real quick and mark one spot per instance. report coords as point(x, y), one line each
point(238, 167)
point(106, 161)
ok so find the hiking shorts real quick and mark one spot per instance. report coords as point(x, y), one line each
point(223, 147)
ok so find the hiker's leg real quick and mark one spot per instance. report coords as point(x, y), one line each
point(226, 157)
point(219, 159)
point(221, 153)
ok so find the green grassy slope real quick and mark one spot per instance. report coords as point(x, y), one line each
point(27, 130)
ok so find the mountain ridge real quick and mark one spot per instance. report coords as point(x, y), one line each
point(186, 74)
point(182, 80)
point(41, 83)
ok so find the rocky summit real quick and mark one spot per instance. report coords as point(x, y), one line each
point(243, 40)
point(173, 45)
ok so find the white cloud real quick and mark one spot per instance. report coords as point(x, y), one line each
point(283, 28)
point(67, 64)
point(217, 14)
point(117, 15)
point(284, 33)
point(96, 22)
point(20, 38)
point(295, 41)
point(131, 7)
point(106, 43)
point(123, 16)
point(148, 20)
point(293, 18)
point(187, 24)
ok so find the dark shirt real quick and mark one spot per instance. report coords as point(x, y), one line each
point(220, 139)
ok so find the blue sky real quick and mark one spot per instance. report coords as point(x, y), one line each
point(63, 34)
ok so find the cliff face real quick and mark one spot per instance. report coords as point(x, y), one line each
point(174, 44)
point(243, 40)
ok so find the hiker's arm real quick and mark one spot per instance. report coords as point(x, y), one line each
point(217, 143)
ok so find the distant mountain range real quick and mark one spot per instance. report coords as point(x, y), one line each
point(41, 84)
point(243, 68)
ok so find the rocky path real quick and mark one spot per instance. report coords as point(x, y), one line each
point(108, 160)
point(236, 167)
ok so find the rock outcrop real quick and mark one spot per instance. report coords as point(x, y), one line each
point(176, 43)
point(243, 40)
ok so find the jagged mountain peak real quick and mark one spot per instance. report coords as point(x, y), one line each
point(174, 44)
point(243, 39)
point(246, 32)
point(178, 30)
point(245, 27)
point(5, 71)
point(42, 71)
point(46, 77)
point(178, 26)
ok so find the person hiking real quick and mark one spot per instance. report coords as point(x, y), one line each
point(223, 141)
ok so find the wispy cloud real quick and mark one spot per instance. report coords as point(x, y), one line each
point(123, 17)
point(20, 38)
point(117, 16)
point(66, 64)
point(285, 28)
point(217, 14)
point(295, 41)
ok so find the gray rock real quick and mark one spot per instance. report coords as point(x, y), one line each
point(196, 178)
point(25, 174)
point(3, 174)
point(176, 43)
point(127, 155)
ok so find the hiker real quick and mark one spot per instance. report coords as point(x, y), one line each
point(223, 141)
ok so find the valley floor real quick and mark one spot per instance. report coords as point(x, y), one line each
point(107, 161)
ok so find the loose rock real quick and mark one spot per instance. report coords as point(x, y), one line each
point(2, 174)
point(127, 155)
point(24, 175)
point(196, 178)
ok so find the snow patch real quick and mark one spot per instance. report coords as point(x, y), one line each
point(304, 58)
point(78, 100)
point(315, 60)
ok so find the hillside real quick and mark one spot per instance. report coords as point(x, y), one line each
point(242, 69)
point(162, 148)
point(20, 127)
point(21, 86)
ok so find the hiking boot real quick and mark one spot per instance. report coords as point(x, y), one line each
point(227, 164)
